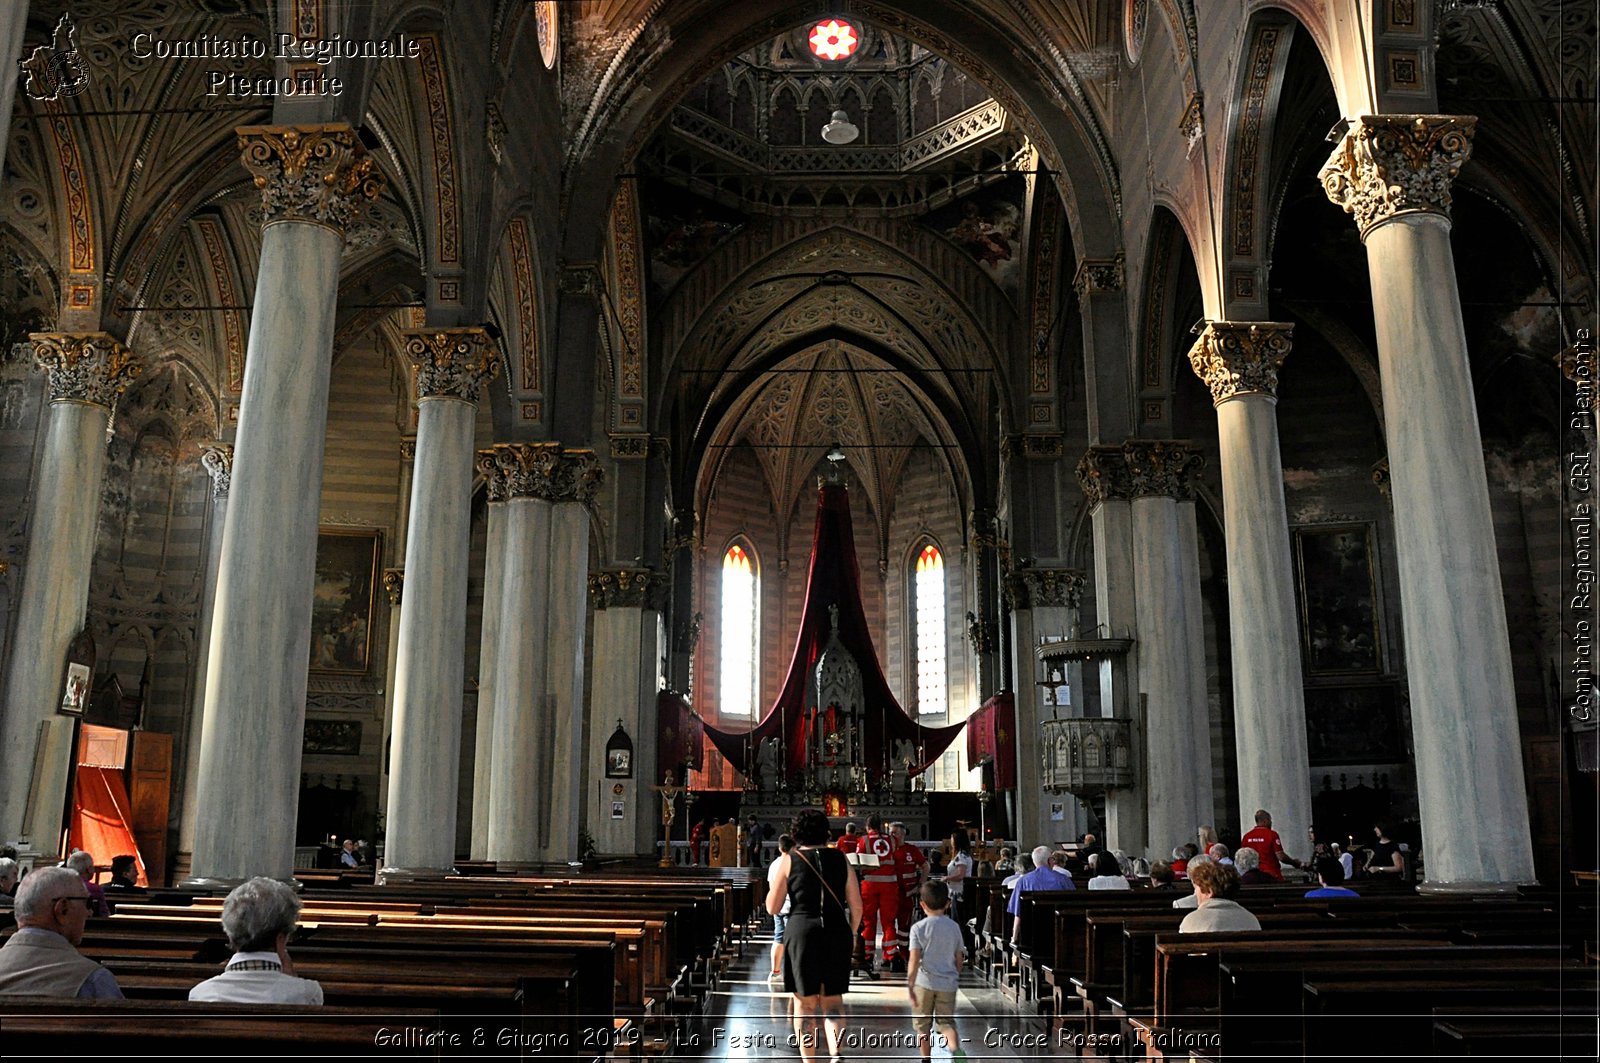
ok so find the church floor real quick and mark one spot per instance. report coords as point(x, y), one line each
point(748, 1019)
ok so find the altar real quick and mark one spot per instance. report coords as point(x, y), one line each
point(835, 737)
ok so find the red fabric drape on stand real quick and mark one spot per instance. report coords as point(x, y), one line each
point(992, 735)
point(101, 823)
point(834, 578)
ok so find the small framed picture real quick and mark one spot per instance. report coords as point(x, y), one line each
point(616, 809)
point(76, 695)
point(619, 763)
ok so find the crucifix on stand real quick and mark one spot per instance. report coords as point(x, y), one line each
point(669, 793)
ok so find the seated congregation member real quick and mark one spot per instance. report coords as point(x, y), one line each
point(1106, 871)
point(1214, 911)
point(1192, 900)
point(124, 878)
point(83, 864)
point(1220, 854)
point(8, 881)
point(1330, 879)
point(258, 917)
point(347, 854)
point(1007, 862)
point(41, 958)
point(1385, 858)
point(1161, 876)
point(1248, 863)
point(1023, 865)
point(1181, 855)
point(1044, 876)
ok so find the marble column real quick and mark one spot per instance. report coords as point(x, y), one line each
point(627, 604)
point(87, 371)
point(394, 583)
point(313, 181)
point(1171, 667)
point(1393, 173)
point(13, 27)
point(573, 493)
point(547, 492)
point(1238, 361)
point(1044, 604)
point(1103, 475)
point(452, 365)
point(494, 569)
point(218, 461)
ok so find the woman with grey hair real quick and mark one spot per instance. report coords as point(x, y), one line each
point(258, 917)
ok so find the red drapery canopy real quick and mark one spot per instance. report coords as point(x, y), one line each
point(102, 817)
point(834, 578)
point(992, 735)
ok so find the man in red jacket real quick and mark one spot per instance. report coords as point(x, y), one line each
point(880, 892)
point(912, 864)
point(1265, 841)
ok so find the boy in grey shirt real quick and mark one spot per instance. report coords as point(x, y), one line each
point(937, 953)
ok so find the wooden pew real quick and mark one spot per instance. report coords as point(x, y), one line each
point(1527, 1032)
point(113, 1028)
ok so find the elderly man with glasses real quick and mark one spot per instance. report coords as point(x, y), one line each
point(41, 958)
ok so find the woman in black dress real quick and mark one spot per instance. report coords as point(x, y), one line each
point(824, 918)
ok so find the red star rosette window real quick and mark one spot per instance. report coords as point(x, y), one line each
point(834, 39)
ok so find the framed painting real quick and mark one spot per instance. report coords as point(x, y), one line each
point(1356, 723)
point(337, 737)
point(342, 605)
point(79, 674)
point(1338, 600)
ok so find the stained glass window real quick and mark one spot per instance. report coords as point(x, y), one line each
point(932, 686)
point(738, 697)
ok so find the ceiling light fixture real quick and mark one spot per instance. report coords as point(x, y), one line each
point(839, 130)
point(833, 39)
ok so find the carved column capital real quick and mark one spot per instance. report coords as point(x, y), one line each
point(90, 367)
point(394, 584)
point(1380, 476)
point(319, 174)
point(1095, 275)
point(1392, 164)
point(408, 448)
point(635, 587)
point(218, 461)
point(1039, 588)
point(546, 471)
point(1103, 475)
point(488, 464)
point(451, 362)
point(1577, 363)
point(1237, 358)
point(1165, 468)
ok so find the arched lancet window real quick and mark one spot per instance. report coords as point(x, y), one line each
point(738, 697)
point(928, 592)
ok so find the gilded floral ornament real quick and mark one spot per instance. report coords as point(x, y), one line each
point(310, 173)
point(1241, 357)
point(88, 367)
point(1103, 475)
point(451, 362)
point(1392, 164)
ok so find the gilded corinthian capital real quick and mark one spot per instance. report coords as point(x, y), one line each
point(544, 471)
point(1393, 164)
point(310, 173)
point(1241, 357)
point(87, 367)
point(451, 362)
point(638, 587)
point(1103, 475)
point(1165, 468)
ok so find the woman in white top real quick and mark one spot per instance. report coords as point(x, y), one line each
point(959, 869)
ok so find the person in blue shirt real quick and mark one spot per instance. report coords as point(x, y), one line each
point(1330, 873)
point(1042, 877)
